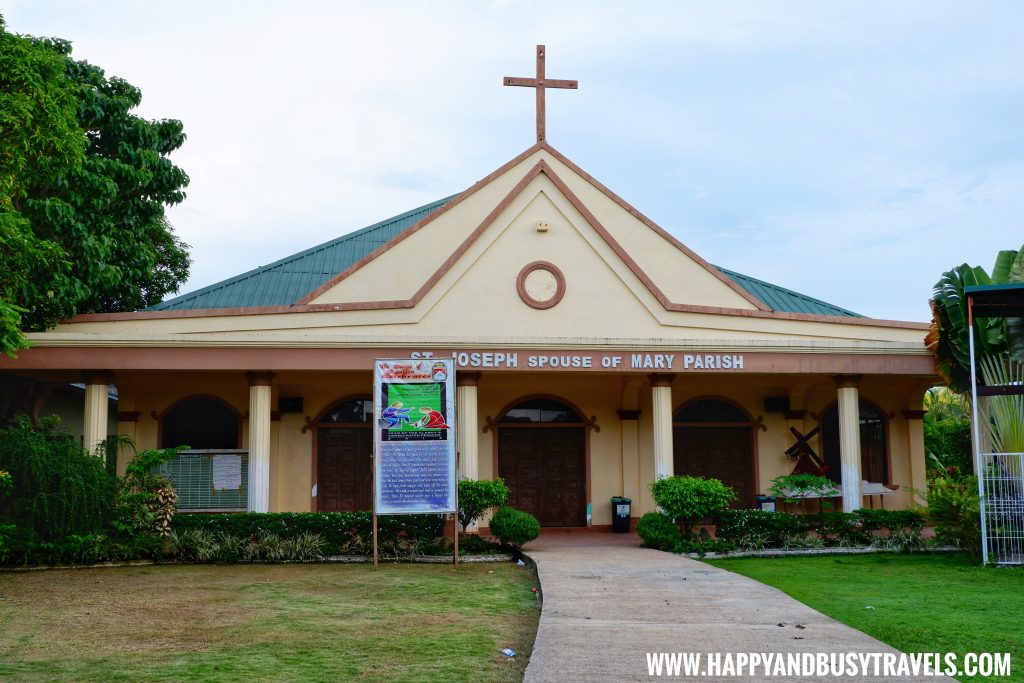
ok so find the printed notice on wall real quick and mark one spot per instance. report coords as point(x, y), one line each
point(414, 439)
point(227, 472)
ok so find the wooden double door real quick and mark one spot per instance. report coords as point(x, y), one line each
point(717, 452)
point(545, 470)
point(344, 469)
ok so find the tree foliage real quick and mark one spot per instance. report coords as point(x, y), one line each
point(84, 184)
point(948, 337)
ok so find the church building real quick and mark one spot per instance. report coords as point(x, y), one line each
point(594, 354)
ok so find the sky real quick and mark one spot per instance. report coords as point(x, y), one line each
point(851, 151)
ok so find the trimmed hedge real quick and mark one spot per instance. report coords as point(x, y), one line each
point(343, 533)
point(759, 528)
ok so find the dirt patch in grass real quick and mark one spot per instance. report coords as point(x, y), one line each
point(262, 622)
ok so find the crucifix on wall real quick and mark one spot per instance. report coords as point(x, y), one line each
point(541, 83)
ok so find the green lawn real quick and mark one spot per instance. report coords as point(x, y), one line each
point(268, 623)
point(920, 603)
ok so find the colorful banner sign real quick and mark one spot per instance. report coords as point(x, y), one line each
point(414, 438)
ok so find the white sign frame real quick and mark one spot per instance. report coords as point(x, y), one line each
point(414, 445)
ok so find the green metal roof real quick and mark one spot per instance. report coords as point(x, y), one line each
point(286, 281)
point(786, 300)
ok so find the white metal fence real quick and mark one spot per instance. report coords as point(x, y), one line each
point(1001, 480)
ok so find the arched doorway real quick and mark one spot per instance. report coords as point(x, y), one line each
point(874, 455)
point(715, 439)
point(542, 456)
point(344, 456)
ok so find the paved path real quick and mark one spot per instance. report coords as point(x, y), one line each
point(608, 602)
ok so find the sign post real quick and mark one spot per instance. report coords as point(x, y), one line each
point(415, 468)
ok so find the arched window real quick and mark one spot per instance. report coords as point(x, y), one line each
point(874, 457)
point(351, 411)
point(541, 410)
point(715, 439)
point(214, 474)
point(200, 423)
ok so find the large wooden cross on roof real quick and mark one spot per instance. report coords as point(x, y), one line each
point(541, 84)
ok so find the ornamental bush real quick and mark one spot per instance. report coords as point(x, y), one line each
point(955, 509)
point(477, 497)
point(58, 488)
point(756, 529)
point(146, 501)
point(514, 527)
point(343, 533)
point(657, 531)
point(842, 529)
point(687, 500)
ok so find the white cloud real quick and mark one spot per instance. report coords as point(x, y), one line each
point(849, 150)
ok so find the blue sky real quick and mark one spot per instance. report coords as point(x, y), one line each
point(848, 150)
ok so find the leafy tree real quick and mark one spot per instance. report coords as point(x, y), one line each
point(82, 225)
point(39, 140)
point(948, 337)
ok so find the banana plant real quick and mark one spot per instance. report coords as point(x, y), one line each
point(948, 337)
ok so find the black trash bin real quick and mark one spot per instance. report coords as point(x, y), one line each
point(620, 514)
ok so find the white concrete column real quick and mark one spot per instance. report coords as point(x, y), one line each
point(97, 398)
point(849, 440)
point(915, 450)
point(259, 441)
point(661, 409)
point(467, 428)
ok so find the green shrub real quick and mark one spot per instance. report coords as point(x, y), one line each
point(955, 509)
point(477, 497)
point(146, 501)
point(59, 489)
point(25, 548)
point(343, 533)
point(755, 529)
point(892, 522)
point(948, 441)
point(657, 531)
point(902, 541)
point(514, 527)
point(701, 546)
point(842, 529)
point(193, 545)
point(687, 500)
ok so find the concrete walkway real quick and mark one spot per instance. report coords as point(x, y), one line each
point(608, 602)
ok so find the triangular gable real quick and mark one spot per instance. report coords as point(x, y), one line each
point(401, 273)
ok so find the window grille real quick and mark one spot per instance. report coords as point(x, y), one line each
point(193, 475)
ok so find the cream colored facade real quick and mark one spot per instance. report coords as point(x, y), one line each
point(536, 261)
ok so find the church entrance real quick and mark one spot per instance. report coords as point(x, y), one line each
point(542, 456)
point(715, 439)
point(344, 457)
